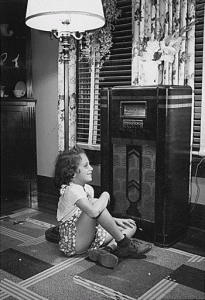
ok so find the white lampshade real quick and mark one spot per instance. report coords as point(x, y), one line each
point(65, 15)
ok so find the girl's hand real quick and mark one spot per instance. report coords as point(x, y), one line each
point(124, 223)
point(93, 200)
point(105, 195)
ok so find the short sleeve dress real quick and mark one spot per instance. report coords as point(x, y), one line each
point(68, 213)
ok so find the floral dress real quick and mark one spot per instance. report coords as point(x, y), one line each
point(68, 218)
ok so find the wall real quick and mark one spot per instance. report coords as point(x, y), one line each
point(45, 87)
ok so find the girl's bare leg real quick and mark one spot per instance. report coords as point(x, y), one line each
point(115, 239)
point(86, 230)
point(109, 241)
point(111, 237)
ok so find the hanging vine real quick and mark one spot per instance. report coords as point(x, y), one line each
point(99, 41)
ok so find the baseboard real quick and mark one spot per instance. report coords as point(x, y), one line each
point(47, 194)
point(46, 185)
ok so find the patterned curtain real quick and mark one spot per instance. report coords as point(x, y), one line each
point(163, 42)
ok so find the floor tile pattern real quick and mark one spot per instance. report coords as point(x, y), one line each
point(33, 268)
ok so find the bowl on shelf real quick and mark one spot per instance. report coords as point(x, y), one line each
point(19, 93)
point(2, 90)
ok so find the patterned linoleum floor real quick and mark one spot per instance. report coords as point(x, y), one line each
point(33, 268)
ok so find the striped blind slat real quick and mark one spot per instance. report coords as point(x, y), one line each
point(83, 111)
point(199, 27)
point(115, 71)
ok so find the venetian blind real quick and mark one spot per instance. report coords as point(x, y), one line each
point(199, 27)
point(115, 71)
point(88, 113)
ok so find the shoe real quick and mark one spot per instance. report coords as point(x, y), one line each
point(105, 258)
point(134, 249)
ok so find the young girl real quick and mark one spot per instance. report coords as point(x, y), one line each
point(85, 224)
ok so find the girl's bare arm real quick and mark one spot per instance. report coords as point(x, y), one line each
point(95, 208)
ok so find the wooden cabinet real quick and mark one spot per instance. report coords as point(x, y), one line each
point(15, 48)
point(18, 144)
point(18, 133)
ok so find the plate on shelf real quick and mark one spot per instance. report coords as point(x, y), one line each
point(20, 86)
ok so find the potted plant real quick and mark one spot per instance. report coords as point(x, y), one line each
point(97, 43)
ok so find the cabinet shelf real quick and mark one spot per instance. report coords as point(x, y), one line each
point(18, 135)
point(16, 47)
point(13, 68)
point(15, 100)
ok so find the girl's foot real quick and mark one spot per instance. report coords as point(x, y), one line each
point(132, 248)
point(105, 258)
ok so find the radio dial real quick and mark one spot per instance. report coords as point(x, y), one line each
point(132, 124)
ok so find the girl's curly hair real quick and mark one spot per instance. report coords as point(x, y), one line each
point(66, 165)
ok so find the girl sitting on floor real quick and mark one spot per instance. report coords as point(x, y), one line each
point(85, 224)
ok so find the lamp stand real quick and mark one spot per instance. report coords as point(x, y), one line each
point(68, 72)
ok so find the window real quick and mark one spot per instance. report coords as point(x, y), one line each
point(199, 28)
point(115, 71)
point(88, 114)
